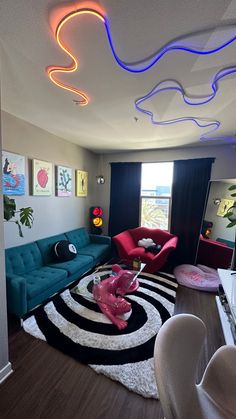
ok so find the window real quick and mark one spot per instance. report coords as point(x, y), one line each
point(156, 185)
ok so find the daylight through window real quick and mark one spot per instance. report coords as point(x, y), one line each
point(156, 186)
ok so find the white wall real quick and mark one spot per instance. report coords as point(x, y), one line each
point(52, 214)
point(223, 168)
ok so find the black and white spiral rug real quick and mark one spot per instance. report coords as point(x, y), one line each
point(73, 323)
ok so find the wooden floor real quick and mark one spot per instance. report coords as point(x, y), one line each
point(47, 384)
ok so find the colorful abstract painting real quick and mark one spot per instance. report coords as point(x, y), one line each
point(81, 183)
point(63, 181)
point(13, 174)
point(42, 178)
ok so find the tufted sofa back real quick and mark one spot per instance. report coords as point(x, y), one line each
point(79, 237)
point(23, 259)
point(46, 247)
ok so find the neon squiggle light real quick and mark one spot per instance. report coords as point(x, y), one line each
point(173, 85)
point(132, 67)
point(75, 64)
point(172, 46)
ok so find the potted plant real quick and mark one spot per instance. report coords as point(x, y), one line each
point(21, 217)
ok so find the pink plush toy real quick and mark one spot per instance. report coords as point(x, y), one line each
point(106, 294)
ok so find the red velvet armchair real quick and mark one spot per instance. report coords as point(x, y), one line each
point(128, 249)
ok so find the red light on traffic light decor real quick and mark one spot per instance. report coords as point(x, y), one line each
point(97, 211)
point(96, 220)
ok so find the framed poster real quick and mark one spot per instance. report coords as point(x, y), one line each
point(63, 181)
point(42, 178)
point(225, 204)
point(13, 174)
point(81, 183)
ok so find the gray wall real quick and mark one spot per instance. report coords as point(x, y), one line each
point(5, 366)
point(52, 214)
point(223, 168)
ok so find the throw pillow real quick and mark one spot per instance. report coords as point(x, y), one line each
point(64, 250)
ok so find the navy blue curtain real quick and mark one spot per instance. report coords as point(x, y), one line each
point(124, 197)
point(189, 192)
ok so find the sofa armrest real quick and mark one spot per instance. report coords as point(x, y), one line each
point(95, 238)
point(16, 295)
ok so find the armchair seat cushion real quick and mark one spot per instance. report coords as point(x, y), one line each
point(139, 252)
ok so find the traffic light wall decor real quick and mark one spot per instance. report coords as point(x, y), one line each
point(96, 220)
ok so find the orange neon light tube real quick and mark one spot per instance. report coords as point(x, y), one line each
point(53, 70)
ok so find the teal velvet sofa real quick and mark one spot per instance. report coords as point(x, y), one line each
point(33, 275)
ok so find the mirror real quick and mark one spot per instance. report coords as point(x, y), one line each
point(217, 242)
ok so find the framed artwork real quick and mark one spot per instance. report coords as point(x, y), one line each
point(81, 183)
point(42, 178)
point(13, 174)
point(225, 204)
point(63, 181)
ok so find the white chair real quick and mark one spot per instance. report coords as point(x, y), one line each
point(176, 353)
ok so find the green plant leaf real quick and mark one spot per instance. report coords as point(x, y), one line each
point(9, 207)
point(232, 224)
point(232, 187)
point(26, 216)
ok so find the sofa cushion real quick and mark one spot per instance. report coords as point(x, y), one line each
point(76, 265)
point(39, 280)
point(46, 247)
point(23, 259)
point(79, 237)
point(97, 251)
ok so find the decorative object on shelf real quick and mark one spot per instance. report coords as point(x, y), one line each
point(63, 181)
point(224, 206)
point(42, 178)
point(96, 220)
point(13, 173)
point(81, 183)
point(21, 217)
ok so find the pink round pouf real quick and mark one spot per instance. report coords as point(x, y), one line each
point(198, 277)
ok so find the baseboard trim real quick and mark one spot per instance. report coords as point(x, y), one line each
point(5, 372)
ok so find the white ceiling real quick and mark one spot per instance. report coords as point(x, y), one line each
point(139, 28)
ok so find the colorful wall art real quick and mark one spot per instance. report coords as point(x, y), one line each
point(42, 178)
point(81, 183)
point(13, 174)
point(63, 181)
point(224, 206)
